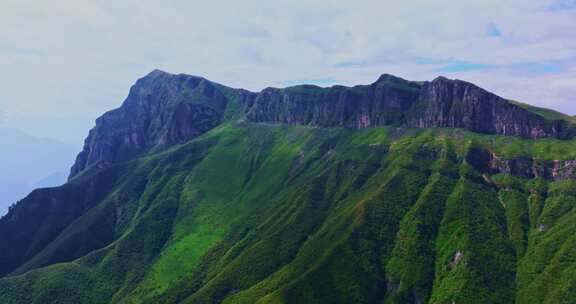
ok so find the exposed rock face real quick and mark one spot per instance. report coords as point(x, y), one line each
point(522, 167)
point(161, 110)
point(164, 109)
point(526, 167)
point(394, 101)
point(382, 103)
point(459, 104)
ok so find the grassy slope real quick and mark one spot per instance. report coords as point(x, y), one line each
point(254, 213)
point(546, 113)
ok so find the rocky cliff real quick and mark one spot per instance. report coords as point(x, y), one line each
point(527, 167)
point(163, 109)
point(394, 101)
point(459, 104)
point(384, 102)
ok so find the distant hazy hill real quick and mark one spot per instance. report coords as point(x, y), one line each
point(27, 162)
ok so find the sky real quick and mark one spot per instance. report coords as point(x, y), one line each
point(65, 62)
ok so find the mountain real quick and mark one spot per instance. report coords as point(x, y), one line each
point(393, 192)
point(25, 160)
point(163, 109)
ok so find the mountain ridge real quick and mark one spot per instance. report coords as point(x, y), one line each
point(180, 196)
point(198, 105)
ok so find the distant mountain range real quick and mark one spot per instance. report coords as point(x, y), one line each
point(27, 162)
point(393, 192)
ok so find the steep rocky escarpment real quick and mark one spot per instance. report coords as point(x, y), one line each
point(382, 103)
point(161, 109)
point(458, 104)
point(527, 167)
point(394, 101)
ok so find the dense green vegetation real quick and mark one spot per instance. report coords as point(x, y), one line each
point(256, 213)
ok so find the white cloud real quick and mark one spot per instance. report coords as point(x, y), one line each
point(71, 59)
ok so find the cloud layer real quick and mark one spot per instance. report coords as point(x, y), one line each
point(65, 62)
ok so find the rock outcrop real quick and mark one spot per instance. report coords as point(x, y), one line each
point(163, 109)
point(384, 102)
point(527, 167)
point(394, 101)
point(459, 104)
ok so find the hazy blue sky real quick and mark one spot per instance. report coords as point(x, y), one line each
point(63, 63)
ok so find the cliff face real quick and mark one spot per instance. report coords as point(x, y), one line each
point(164, 109)
point(394, 101)
point(459, 104)
point(382, 103)
point(161, 110)
point(526, 167)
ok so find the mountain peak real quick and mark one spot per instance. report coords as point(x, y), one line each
point(443, 79)
point(389, 78)
point(156, 73)
point(164, 109)
point(161, 109)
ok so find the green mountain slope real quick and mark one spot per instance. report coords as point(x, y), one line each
point(547, 113)
point(274, 214)
point(254, 212)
